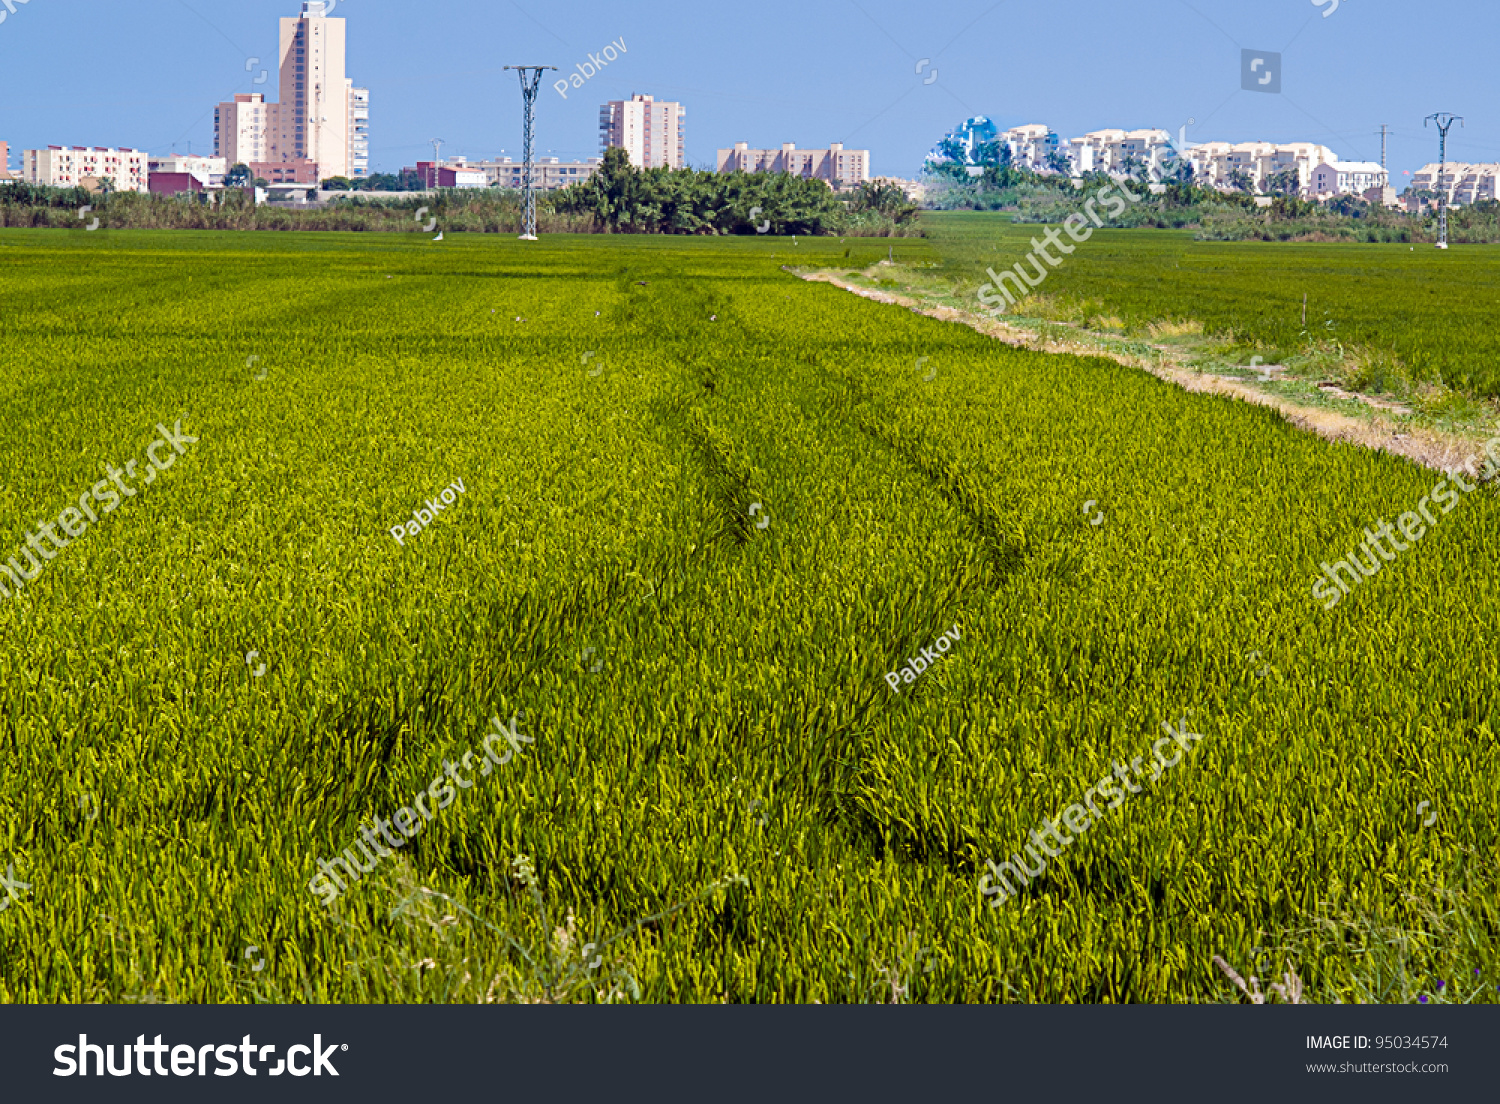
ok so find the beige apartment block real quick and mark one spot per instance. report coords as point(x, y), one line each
point(241, 129)
point(1464, 182)
point(1385, 196)
point(314, 116)
point(75, 166)
point(836, 166)
point(649, 130)
point(547, 173)
point(5, 161)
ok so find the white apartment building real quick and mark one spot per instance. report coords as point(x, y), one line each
point(359, 131)
point(547, 173)
point(206, 170)
point(836, 166)
point(1214, 163)
point(650, 131)
point(1464, 182)
point(1346, 178)
point(70, 166)
point(1109, 151)
point(1030, 145)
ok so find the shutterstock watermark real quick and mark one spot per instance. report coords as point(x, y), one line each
point(1412, 528)
point(191, 1061)
point(409, 821)
point(1080, 819)
point(72, 518)
point(10, 8)
point(1078, 229)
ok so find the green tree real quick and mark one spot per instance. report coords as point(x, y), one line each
point(951, 148)
point(238, 176)
point(992, 154)
point(1284, 183)
point(1240, 181)
point(1177, 170)
point(953, 171)
point(885, 199)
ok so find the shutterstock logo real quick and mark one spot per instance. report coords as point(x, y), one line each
point(73, 1060)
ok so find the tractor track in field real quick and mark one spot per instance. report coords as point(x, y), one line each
point(1430, 448)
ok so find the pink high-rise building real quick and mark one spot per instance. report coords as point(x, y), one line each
point(649, 130)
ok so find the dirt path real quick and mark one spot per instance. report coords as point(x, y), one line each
point(1428, 447)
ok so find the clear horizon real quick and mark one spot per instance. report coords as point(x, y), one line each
point(842, 71)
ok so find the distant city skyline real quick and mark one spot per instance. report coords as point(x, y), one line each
point(863, 73)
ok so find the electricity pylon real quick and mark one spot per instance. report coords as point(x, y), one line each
point(531, 79)
point(1444, 119)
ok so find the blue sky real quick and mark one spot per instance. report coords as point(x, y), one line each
point(765, 73)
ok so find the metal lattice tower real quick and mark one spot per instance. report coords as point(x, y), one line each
point(531, 79)
point(1444, 120)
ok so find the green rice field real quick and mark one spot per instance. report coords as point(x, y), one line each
point(1434, 312)
point(707, 511)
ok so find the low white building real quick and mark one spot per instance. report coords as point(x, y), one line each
point(914, 190)
point(206, 170)
point(547, 173)
point(71, 166)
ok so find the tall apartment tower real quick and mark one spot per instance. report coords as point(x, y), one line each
point(314, 116)
point(650, 131)
point(320, 126)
